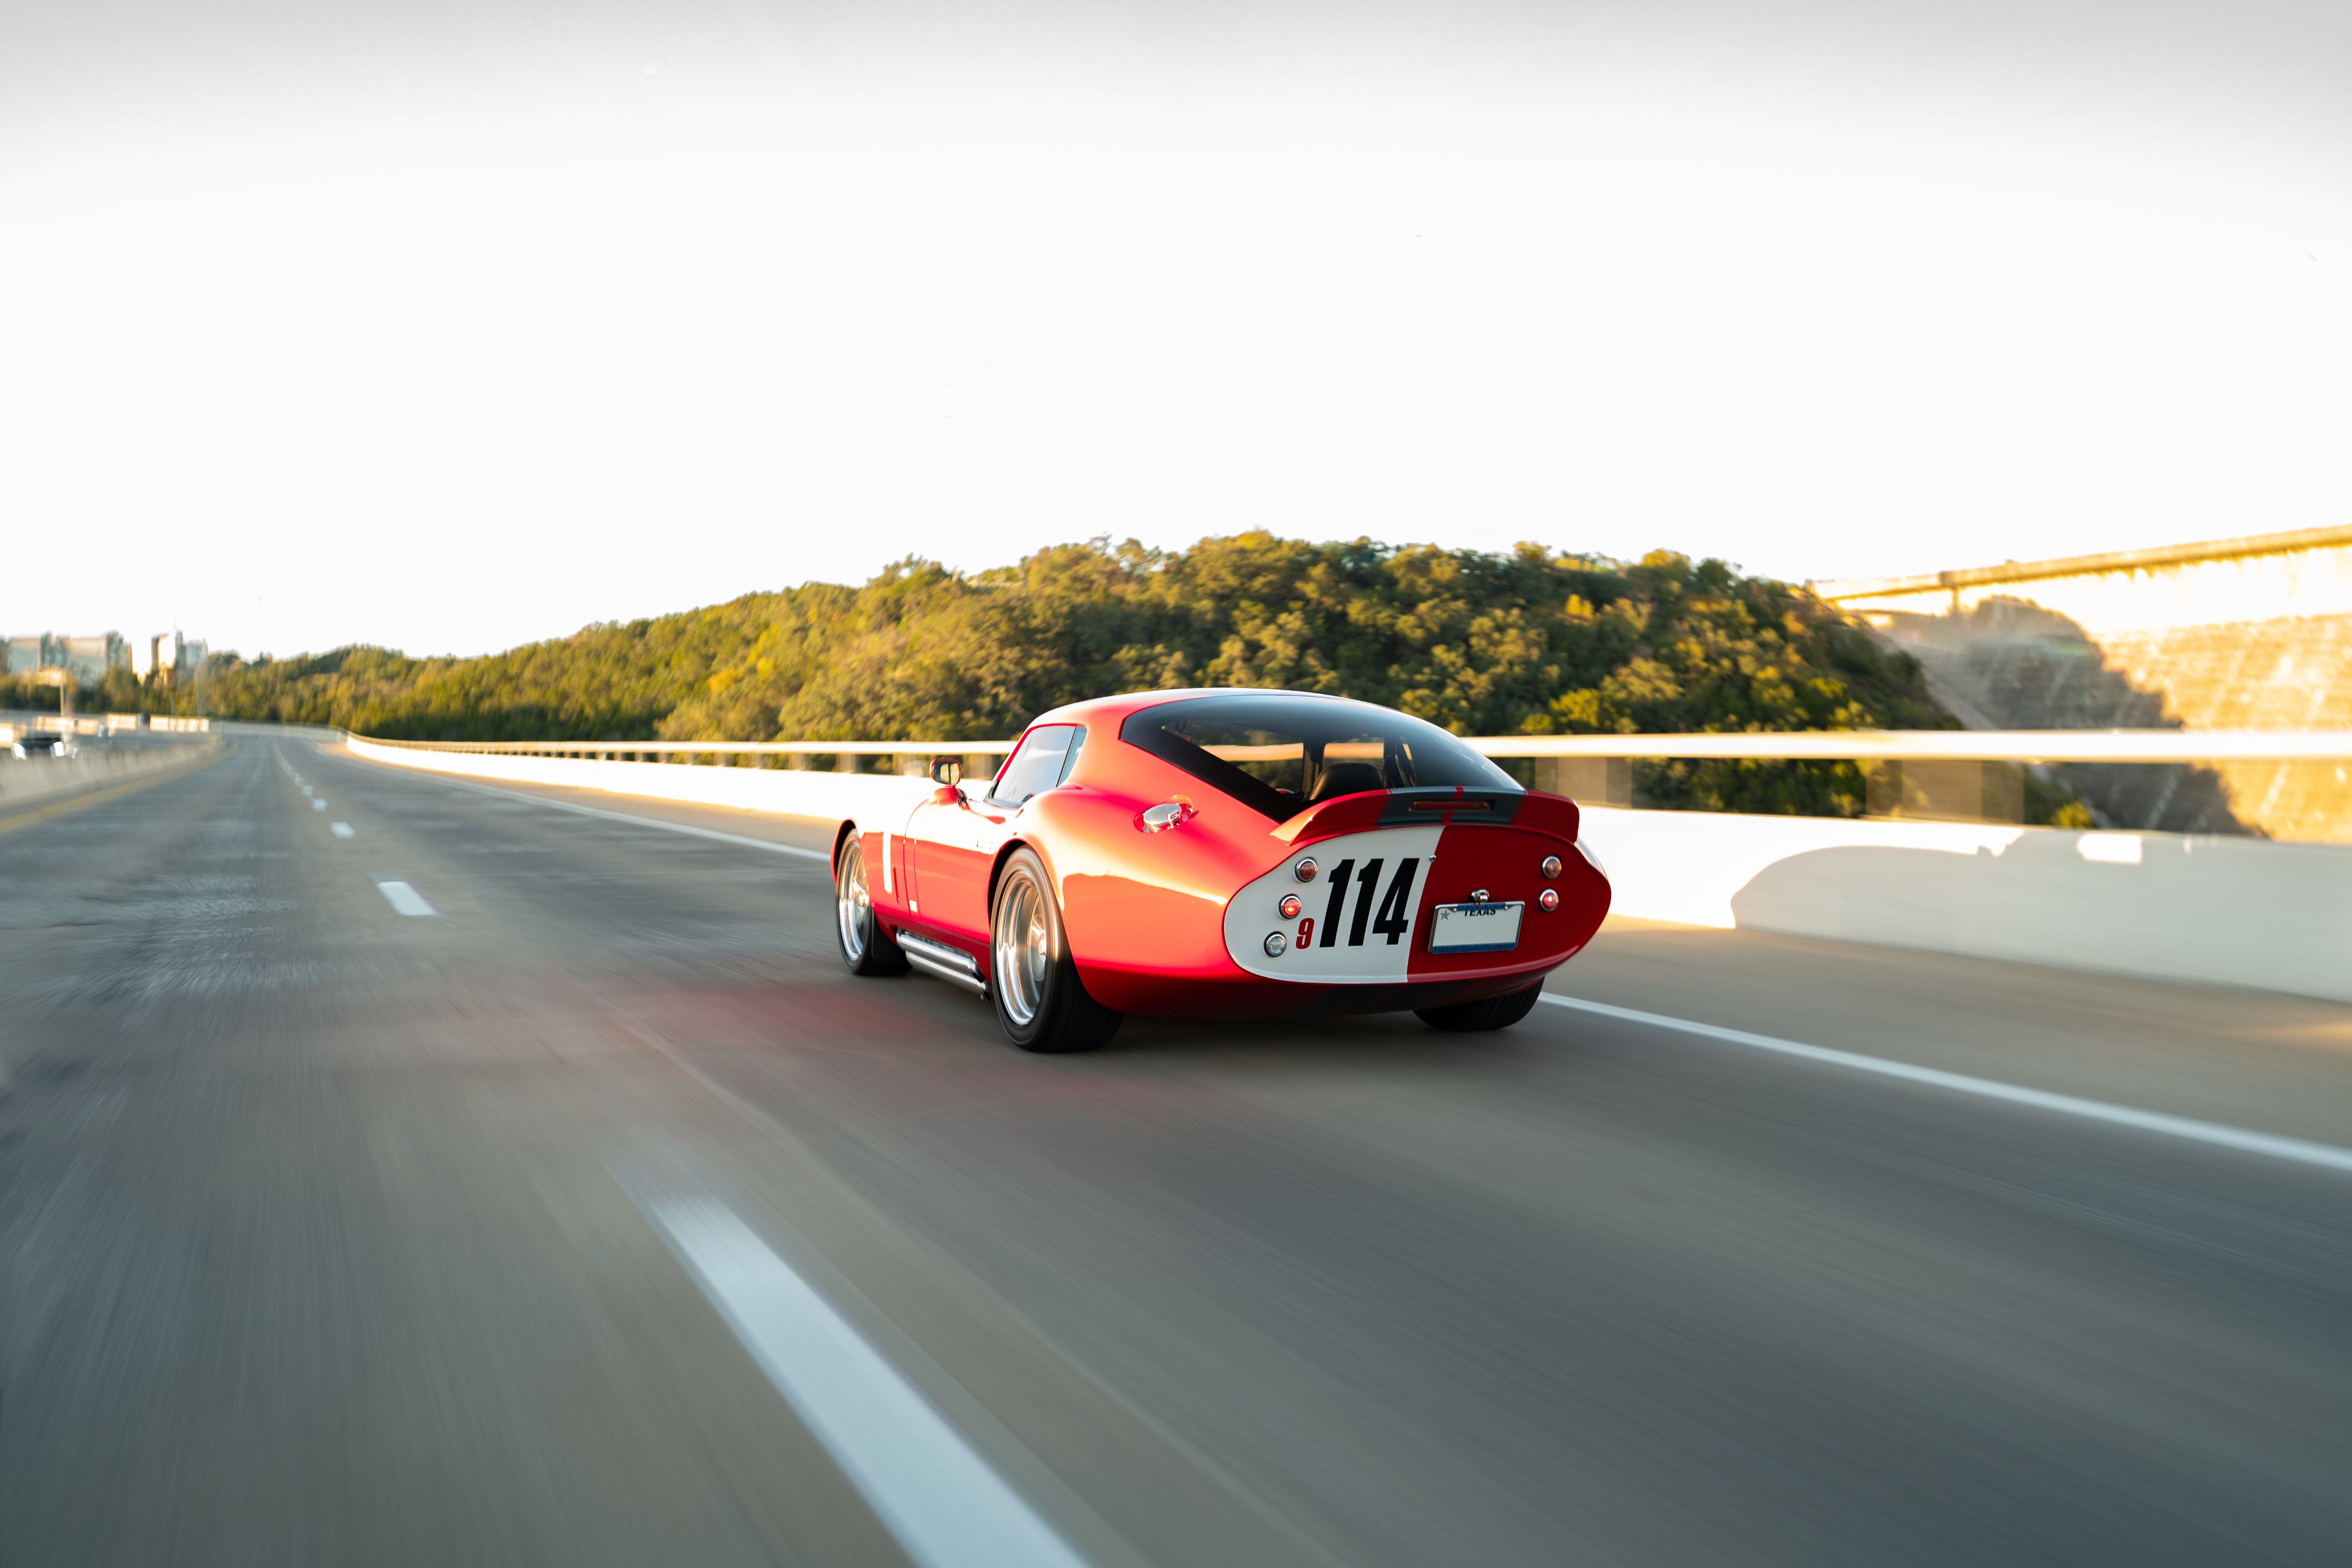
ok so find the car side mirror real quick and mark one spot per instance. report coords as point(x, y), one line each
point(947, 770)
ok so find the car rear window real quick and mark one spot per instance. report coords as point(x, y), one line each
point(1277, 752)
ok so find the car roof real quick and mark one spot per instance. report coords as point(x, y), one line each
point(1096, 710)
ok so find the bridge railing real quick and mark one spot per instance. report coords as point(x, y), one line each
point(2024, 745)
point(1946, 775)
point(723, 753)
point(1943, 774)
point(1781, 746)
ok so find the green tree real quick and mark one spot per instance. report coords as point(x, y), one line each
point(1528, 641)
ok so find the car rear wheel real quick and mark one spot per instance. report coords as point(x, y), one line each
point(866, 947)
point(1030, 978)
point(1487, 1012)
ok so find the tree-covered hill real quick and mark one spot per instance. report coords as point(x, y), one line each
point(1532, 642)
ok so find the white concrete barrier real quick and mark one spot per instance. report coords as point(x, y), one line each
point(42, 779)
point(795, 793)
point(2227, 910)
point(2232, 911)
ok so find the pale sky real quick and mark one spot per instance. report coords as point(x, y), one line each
point(449, 327)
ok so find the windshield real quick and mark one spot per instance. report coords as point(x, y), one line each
point(1278, 752)
point(1044, 760)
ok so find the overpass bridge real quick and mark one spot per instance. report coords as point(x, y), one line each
point(403, 1164)
point(2238, 633)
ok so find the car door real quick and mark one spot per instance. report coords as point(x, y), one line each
point(955, 845)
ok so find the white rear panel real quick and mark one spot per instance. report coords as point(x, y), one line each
point(1372, 940)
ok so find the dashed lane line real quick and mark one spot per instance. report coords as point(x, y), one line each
point(404, 898)
point(940, 1497)
point(340, 829)
point(2295, 1150)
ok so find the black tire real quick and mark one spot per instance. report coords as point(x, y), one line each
point(866, 947)
point(1030, 979)
point(1487, 1012)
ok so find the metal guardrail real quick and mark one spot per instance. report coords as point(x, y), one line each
point(25, 723)
point(2174, 746)
point(2157, 745)
point(663, 750)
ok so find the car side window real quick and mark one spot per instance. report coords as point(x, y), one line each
point(1040, 763)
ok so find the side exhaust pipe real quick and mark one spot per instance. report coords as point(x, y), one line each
point(942, 962)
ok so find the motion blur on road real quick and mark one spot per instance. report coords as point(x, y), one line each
point(396, 1170)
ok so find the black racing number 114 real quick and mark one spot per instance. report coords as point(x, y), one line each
point(1395, 916)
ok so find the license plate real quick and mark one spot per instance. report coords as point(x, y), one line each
point(1474, 927)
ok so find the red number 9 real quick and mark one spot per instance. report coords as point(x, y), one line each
point(1307, 932)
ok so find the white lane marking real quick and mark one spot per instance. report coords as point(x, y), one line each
point(306, 788)
point(404, 898)
point(641, 821)
point(318, 805)
point(947, 1508)
point(2299, 1151)
point(340, 829)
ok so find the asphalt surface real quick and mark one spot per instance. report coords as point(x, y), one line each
point(334, 1235)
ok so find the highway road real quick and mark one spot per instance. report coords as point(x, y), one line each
point(413, 1171)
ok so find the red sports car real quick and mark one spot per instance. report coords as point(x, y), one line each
point(1225, 854)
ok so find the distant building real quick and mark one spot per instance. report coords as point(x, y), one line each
point(86, 660)
point(174, 656)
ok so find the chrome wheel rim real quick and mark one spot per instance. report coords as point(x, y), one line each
point(856, 908)
point(1023, 951)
